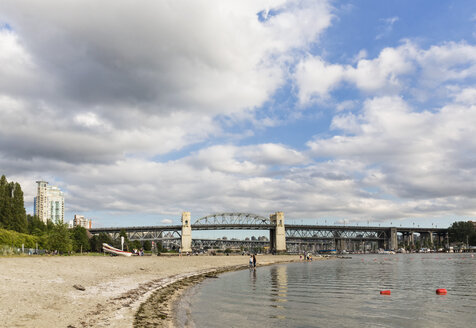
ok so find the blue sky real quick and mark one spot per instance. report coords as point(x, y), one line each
point(362, 111)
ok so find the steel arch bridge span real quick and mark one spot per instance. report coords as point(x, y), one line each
point(233, 219)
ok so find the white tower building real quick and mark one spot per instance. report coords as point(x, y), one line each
point(49, 203)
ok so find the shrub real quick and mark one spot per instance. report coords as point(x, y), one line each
point(16, 239)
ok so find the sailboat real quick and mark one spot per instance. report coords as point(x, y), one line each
point(109, 249)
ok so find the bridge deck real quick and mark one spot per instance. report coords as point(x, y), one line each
point(266, 227)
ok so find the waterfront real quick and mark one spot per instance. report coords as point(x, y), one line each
point(40, 290)
point(340, 293)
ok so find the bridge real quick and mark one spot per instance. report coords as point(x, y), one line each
point(281, 237)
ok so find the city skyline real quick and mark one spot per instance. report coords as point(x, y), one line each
point(325, 110)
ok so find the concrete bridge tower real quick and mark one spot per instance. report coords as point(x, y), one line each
point(278, 233)
point(186, 233)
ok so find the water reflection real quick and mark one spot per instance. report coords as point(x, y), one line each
point(253, 278)
point(278, 291)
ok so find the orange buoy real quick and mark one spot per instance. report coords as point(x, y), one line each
point(441, 291)
point(385, 292)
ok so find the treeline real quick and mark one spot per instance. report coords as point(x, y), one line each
point(12, 208)
point(50, 236)
point(462, 232)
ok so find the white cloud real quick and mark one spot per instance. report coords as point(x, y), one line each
point(387, 27)
point(142, 79)
point(391, 73)
point(18, 71)
point(421, 156)
point(316, 78)
point(449, 62)
point(382, 72)
point(362, 54)
point(166, 221)
point(246, 160)
point(466, 96)
point(88, 120)
point(347, 123)
point(346, 105)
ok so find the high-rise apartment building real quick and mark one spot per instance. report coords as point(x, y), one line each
point(49, 203)
point(81, 221)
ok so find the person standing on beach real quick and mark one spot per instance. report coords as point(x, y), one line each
point(254, 261)
point(251, 261)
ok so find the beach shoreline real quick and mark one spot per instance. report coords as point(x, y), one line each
point(40, 289)
point(161, 308)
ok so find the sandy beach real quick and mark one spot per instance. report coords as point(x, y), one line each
point(40, 292)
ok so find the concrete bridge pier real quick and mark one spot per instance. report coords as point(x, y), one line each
point(409, 238)
point(392, 242)
point(431, 237)
point(186, 233)
point(441, 238)
point(340, 244)
point(427, 236)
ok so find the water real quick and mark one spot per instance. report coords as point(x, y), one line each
point(340, 293)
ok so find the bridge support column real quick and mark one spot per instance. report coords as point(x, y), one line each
point(340, 245)
point(279, 241)
point(393, 243)
point(186, 233)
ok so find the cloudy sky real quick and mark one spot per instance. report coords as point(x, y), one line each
point(363, 111)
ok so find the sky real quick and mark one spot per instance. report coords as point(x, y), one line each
point(355, 112)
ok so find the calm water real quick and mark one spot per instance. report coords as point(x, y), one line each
point(340, 293)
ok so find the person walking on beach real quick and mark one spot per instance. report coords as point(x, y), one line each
point(251, 261)
point(254, 261)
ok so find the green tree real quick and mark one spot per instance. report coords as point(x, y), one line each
point(5, 203)
point(49, 226)
point(35, 225)
point(79, 236)
point(461, 232)
point(59, 238)
point(136, 244)
point(3, 182)
point(418, 245)
point(147, 245)
point(158, 246)
point(19, 222)
point(97, 240)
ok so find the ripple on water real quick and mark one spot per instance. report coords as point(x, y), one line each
point(343, 293)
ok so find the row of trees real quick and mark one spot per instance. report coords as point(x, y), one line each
point(49, 236)
point(12, 208)
point(463, 232)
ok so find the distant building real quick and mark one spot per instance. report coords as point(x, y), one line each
point(81, 221)
point(49, 203)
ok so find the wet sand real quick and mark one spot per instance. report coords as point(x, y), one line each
point(39, 292)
